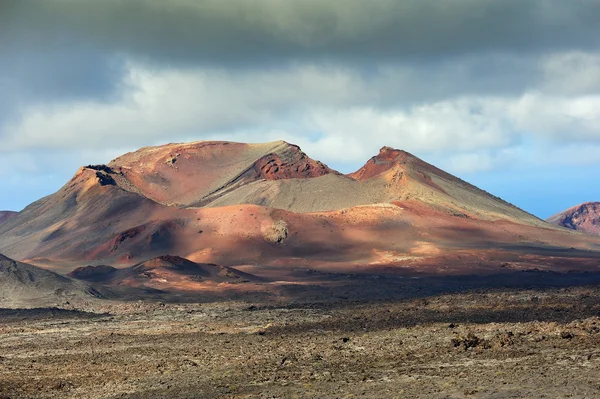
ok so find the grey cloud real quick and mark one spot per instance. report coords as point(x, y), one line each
point(572, 73)
point(69, 50)
point(215, 31)
point(57, 76)
point(61, 75)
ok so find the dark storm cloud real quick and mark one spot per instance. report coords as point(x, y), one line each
point(41, 62)
point(240, 32)
point(59, 75)
point(69, 50)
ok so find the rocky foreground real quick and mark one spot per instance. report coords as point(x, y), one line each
point(498, 343)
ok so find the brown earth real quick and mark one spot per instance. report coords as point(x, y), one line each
point(465, 342)
point(584, 217)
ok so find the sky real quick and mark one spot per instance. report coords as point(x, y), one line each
point(502, 93)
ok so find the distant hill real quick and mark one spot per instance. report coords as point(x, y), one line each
point(21, 283)
point(584, 217)
point(5, 215)
point(163, 272)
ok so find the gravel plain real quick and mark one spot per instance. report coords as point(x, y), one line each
point(540, 342)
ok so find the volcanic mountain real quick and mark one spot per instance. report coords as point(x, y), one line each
point(271, 205)
point(5, 215)
point(23, 283)
point(584, 217)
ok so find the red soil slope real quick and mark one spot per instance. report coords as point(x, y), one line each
point(584, 217)
point(196, 173)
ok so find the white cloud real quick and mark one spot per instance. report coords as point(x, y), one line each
point(190, 104)
point(557, 118)
point(442, 126)
point(336, 114)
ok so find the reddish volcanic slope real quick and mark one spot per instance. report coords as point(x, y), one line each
point(270, 205)
point(584, 217)
point(197, 173)
point(5, 215)
point(407, 177)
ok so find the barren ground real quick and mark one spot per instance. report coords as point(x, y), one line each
point(428, 339)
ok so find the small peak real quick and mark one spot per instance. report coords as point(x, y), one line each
point(284, 143)
point(392, 154)
point(387, 158)
point(166, 261)
point(171, 258)
point(392, 150)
